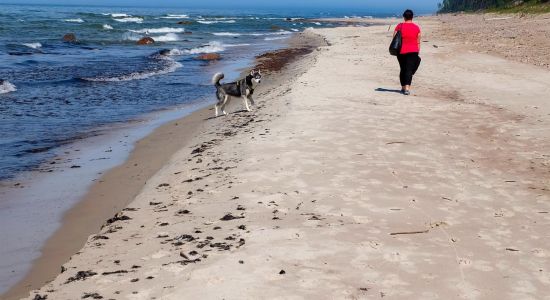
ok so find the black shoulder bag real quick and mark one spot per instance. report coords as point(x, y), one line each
point(396, 43)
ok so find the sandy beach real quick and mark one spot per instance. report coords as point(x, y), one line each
point(335, 186)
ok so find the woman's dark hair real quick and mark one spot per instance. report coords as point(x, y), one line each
point(408, 14)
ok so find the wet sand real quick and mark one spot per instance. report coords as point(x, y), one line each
point(336, 186)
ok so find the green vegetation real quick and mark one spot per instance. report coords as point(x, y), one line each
point(504, 6)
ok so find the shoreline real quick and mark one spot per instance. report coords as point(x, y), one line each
point(103, 199)
point(337, 186)
point(106, 197)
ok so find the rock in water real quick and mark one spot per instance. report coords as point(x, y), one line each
point(209, 57)
point(146, 41)
point(69, 38)
point(185, 22)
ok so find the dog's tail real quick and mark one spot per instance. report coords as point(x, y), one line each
point(216, 79)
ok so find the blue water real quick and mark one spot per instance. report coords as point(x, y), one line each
point(55, 92)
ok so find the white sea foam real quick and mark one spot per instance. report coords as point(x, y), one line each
point(215, 22)
point(211, 47)
point(107, 27)
point(235, 45)
point(226, 34)
point(275, 38)
point(75, 20)
point(174, 52)
point(294, 29)
point(32, 45)
point(117, 15)
point(172, 67)
point(170, 37)
point(159, 30)
point(317, 23)
point(130, 20)
point(175, 17)
point(281, 32)
point(6, 87)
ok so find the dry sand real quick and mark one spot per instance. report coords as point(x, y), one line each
point(338, 187)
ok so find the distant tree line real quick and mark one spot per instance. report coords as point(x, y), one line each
point(470, 5)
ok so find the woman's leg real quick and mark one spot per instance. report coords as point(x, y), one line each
point(411, 64)
point(401, 60)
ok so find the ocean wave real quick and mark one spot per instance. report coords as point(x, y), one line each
point(235, 45)
point(215, 22)
point(6, 87)
point(32, 45)
point(275, 38)
point(107, 27)
point(175, 17)
point(171, 67)
point(74, 20)
point(211, 47)
point(117, 15)
point(282, 32)
point(131, 36)
point(159, 30)
point(226, 34)
point(170, 37)
point(130, 20)
point(294, 29)
point(170, 52)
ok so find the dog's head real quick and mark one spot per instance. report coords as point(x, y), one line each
point(256, 76)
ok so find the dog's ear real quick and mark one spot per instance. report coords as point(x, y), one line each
point(259, 71)
point(252, 72)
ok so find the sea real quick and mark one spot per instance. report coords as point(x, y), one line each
point(69, 111)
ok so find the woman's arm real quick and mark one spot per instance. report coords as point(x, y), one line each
point(419, 40)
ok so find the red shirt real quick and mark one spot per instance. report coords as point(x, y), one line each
point(409, 32)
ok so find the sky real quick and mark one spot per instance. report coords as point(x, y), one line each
point(380, 5)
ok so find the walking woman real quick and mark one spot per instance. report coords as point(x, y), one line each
point(409, 61)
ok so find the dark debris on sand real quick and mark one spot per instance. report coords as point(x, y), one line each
point(81, 275)
point(277, 60)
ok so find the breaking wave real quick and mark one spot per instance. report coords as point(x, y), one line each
point(32, 45)
point(6, 87)
point(130, 20)
point(175, 17)
point(211, 47)
point(159, 30)
point(75, 20)
point(170, 67)
point(282, 32)
point(117, 15)
point(226, 34)
point(275, 38)
point(215, 22)
point(170, 37)
point(107, 27)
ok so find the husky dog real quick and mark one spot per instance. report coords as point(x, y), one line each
point(243, 88)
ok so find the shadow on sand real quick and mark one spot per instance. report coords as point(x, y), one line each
point(388, 90)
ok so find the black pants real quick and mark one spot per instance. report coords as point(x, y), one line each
point(409, 63)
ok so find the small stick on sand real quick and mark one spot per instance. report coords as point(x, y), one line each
point(410, 232)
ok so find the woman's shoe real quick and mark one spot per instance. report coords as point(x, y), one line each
point(406, 93)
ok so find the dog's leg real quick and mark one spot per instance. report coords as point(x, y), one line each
point(225, 100)
point(216, 108)
point(251, 101)
point(245, 99)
